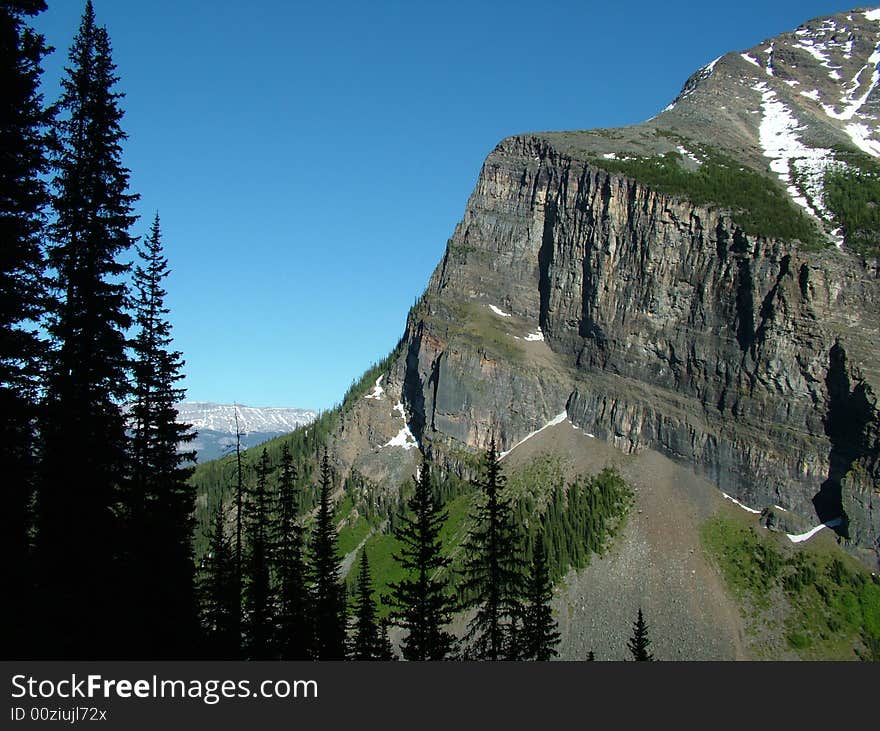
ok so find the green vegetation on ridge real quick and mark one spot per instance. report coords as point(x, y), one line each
point(578, 518)
point(757, 202)
point(852, 194)
point(825, 605)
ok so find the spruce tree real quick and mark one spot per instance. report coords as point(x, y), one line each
point(492, 579)
point(639, 642)
point(328, 592)
point(84, 457)
point(540, 629)
point(238, 557)
point(258, 600)
point(386, 649)
point(368, 641)
point(420, 603)
point(218, 592)
point(294, 627)
point(160, 499)
point(24, 123)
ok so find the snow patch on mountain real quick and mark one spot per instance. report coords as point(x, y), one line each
point(558, 419)
point(404, 438)
point(377, 391)
point(778, 135)
point(737, 502)
point(801, 537)
point(851, 103)
point(860, 134)
point(684, 152)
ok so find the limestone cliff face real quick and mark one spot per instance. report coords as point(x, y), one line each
point(663, 326)
point(657, 322)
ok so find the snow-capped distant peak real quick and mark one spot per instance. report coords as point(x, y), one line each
point(206, 415)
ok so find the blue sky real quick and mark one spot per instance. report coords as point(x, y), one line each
point(310, 162)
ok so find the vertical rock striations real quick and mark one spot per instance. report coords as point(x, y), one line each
point(663, 325)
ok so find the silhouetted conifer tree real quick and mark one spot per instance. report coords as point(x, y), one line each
point(386, 649)
point(84, 465)
point(420, 603)
point(328, 592)
point(639, 642)
point(540, 635)
point(294, 623)
point(493, 579)
point(160, 499)
point(591, 657)
point(24, 123)
point(238, 556)
point(368, 641)
point(257, 587)
point(218, 593)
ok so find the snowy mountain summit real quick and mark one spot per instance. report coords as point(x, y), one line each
point(216, 424)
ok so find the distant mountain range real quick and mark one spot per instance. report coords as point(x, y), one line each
point(215, 424)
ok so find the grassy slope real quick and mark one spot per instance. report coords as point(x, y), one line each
point(810, 601)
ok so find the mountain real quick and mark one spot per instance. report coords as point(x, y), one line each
point(216, 424)
point(695, 300)
point(690, 285)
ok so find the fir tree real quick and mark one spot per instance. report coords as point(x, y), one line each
point(218, 592)
point(294, 627)
point(238, 557)
point(492, 576)
point(386, 649)
point(160, 500)
point(540, 629)
point(639, 642)
point(591, 657)
point(257, 586)
point(328, 592)
point(24, 123)
point(84, 440)
point(420, 603)
point(367, 643)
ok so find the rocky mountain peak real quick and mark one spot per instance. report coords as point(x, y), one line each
point(822, 74)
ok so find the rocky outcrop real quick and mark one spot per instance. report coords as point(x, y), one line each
point(663, 326)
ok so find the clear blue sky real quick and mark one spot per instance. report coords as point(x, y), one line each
point(310, 160)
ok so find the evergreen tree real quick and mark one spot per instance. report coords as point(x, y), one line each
point(540, 629)
point(328, 592)
point(492, 579)
point(257, 587)
point(420, 602)
point(294, 626)
point(84, 440)
point(591, 657)
point(238, 557)
point(368, 640)
point(639, 642)
point(218, 592)
point(386, 649)
point(160, 500)
point(24, 122)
